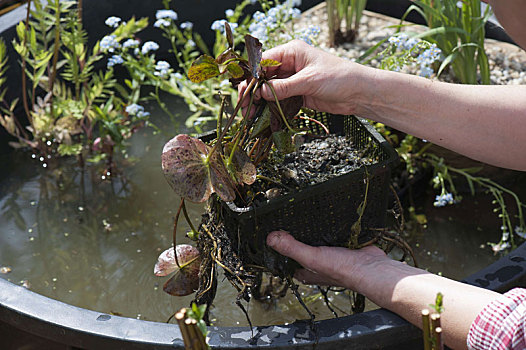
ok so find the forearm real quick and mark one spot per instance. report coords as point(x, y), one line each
point(510, 14)
point(485, 123)
point(407, 291)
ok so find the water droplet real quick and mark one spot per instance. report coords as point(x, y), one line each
point(81, 208)
point(44, 165)
point(139, 316)
point(48, 143)
point(33, 203)
point(126, 240)
point(138, 250)
point(108, 173)
point(30, 230)
point(70, 291)
point(103, 177)
point(31, 239)
point(66, 234)
point(33, 156)
point(41, 159)
point(49, 156)
point(103, 318)
point(54, 279)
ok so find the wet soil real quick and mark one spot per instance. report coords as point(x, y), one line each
point(316, 160)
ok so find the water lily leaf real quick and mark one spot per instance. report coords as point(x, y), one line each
point(185, 166)
point(229, 36)
point(180, 285)
point(244, 169)
point(270, 63)
point(203, 68)
point(187, 255)
point(235, 70)
point(283, 141)
point(254, 52)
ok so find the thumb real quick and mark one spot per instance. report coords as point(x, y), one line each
point(285, 244)
point(283, 88)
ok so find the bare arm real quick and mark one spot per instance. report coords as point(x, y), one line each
point(486, 123)
point(510, 14)
point(393, 285)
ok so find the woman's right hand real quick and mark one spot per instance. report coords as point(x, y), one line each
point(327, 82)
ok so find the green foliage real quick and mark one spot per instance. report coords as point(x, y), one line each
point(349, 10)
point(72, 109)
point(438, 305)
point(459, 32)
point(198, 313)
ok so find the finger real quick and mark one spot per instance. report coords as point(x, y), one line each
point(292, 86)
point(282, 242)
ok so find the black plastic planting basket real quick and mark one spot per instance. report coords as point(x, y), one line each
point(328, 209)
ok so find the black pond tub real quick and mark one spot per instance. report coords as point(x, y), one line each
point(29, 319)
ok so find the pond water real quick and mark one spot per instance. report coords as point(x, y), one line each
point(72, 236)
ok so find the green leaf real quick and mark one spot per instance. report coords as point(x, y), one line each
point(235, 70)
point(270, 63)
point(283, 141)
point(204, 68)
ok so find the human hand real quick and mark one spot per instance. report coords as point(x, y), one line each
point(335, 266)
point(327, 82)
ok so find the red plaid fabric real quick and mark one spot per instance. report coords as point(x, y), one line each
point(501, 324)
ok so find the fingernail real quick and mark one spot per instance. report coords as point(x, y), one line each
point(273, 239)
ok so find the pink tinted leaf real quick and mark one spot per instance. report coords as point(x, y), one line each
point(244, 169)
point(181, 284)
point(183, 163)
point(185, 166)
point(186, 254)
point(254, 53)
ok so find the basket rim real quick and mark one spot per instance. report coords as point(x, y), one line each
point(384, 165)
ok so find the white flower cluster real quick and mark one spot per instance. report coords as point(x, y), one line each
point(113, 21)
point(425, 58)
point(220, 25)
point(149, 46)
point(162, 69)
point(164, 18)
point(109, 43)
point(309, 34)
point(114, 60)
point(444, 199)
point(137, 110)
point(263, 24)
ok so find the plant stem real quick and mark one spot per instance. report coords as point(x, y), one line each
point(279, 108)
point(233, 116)
point(24, 64)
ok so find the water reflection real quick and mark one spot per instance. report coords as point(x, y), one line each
point(93, 243)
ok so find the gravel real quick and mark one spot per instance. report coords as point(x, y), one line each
point(507, 62)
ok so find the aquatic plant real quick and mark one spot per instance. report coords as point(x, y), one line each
point(72, 109)
point(459, 32)
point(404, 50)
point(349, 10)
